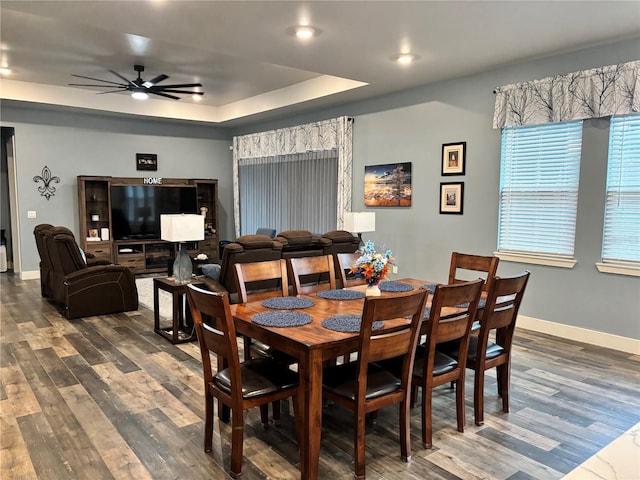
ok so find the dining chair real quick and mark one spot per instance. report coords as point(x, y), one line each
point(362, 386)
point(472, 263)
point(251, 279)
point(451, 314)
point(344, 262)
point(499, 316)
point(312, 274)
point(238, 385)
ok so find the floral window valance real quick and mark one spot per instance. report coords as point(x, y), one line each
point(599, 92)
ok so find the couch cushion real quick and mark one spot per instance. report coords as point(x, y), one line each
point(250, 242)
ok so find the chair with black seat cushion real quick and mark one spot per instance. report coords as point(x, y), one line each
point(498, 316)
point(362, 386)
point(239, 386)
point(344, 263)
point(451, 314)
point(312, 274)
point(472, 265)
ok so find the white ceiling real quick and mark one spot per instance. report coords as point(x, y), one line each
point(252, 68)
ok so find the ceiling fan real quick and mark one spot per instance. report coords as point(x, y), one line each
point(140, 88)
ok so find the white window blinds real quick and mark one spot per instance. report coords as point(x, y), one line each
point(539, 174)
point(621, 238)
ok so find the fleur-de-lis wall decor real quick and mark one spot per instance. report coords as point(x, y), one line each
point(46, 190)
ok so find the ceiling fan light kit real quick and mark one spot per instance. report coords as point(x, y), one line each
point(141, 89)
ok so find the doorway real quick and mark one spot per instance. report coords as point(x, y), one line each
point(7, 181)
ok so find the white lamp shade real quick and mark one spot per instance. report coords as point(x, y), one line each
point(181, 227)
point(358, 222)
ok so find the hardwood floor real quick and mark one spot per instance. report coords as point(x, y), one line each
point(105, 397)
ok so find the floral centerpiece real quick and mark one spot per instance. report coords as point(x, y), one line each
point(372, 266)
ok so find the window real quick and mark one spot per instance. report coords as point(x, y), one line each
point(289, 192)
point(621, 236)
point(539, 174)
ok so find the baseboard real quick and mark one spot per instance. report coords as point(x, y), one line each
point(578, 334)
point(30, 275)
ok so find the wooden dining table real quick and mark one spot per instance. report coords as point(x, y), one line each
point(312, 345)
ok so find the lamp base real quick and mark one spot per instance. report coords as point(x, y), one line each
point(182, 267)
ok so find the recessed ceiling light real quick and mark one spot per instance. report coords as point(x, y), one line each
point(5, 71)
point(140, 95)
point(305, 32)
point(405, 58)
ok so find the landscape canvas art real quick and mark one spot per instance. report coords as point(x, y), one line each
point(387, 185)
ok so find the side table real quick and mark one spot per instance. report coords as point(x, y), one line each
point(182, 330)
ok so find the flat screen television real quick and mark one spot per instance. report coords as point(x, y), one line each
point(136, 209)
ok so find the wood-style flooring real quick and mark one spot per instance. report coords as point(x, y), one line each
point(105, 397)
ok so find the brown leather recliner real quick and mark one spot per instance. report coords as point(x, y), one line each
point(245, 249)
point(301, 243)
point(341, 241)
point(87, 290)
point(39, 232)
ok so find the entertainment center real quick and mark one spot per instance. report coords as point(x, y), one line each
point(120, 218)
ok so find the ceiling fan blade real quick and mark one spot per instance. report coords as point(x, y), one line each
point(176, 91)
point(165, 95)
point(98, 79)
point(181, 85)
point(129, 82)
point(154, 81)
point(90, 85)
point(113, 91)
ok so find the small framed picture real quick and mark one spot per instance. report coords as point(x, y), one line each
point(146, 161)
point(93, 233)
point(451, 197)
point(453, 158)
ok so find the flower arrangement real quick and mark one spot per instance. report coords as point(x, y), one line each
point(372, 266)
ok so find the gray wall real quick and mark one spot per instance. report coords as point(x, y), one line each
point(77, 143)
point(412, 126)
point(409, 126)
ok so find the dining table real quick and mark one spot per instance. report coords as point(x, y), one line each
point(312, 344)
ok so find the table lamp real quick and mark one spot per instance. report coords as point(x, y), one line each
point(360, 222)
point(181, 228)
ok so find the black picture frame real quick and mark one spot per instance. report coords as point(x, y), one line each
point(454, 158)
point(451, 198)
point(147, 161)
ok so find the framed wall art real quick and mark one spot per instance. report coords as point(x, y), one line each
point(387, 185)
point(453, 158)
point(451, 197)
point(146, 161)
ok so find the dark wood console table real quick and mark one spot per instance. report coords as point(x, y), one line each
point(181, 330)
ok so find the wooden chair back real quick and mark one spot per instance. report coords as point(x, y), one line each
point(344, 262)
point(248, 273)
point(217, 335)
point(312, 274)
point(472, 263)
point(499, 315)
point(374, 347)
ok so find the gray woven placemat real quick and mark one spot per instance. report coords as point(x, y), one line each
point(481, 304)
point(428, 286)
point(390, 286)
point(347, 323)
point(288, 303)
point(340, 294)
point(282, 319)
